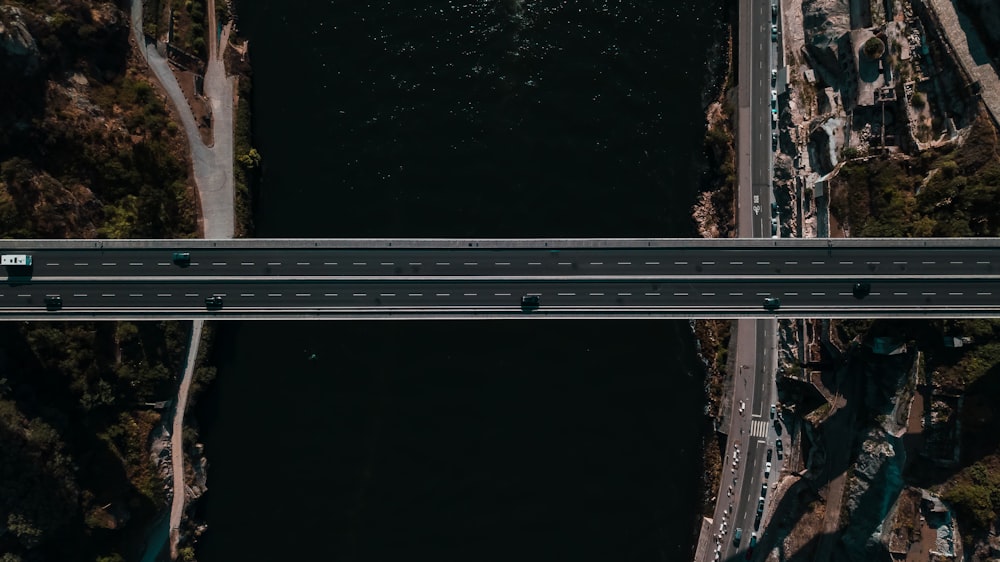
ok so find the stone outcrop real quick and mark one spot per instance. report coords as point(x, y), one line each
point(19, 53)
point(826, 24)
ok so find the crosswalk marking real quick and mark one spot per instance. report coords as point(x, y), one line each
point(758, 428)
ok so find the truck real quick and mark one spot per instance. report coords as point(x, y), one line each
point(23, 260)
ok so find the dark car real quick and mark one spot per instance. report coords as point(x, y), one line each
point(862, 289)
point(777, 429)
point(737, 536)
point(529, 302)
point(777, 445)
point(53, 302)
point(213, 303)
point(760, 506)
point(769, 455)
point(182, 258)
point(763, 490)
point(756, 523)
point(772, 303)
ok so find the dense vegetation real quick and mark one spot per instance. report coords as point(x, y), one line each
point(87, 149)
point(943, 193)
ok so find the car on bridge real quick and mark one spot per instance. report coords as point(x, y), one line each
point(213, 302)
point(53, 303)
point(862, 289)
point(772, 303)
point(529, 302)
point(182, 259)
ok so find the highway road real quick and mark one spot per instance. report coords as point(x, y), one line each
point(861, 262)
point(689, 298)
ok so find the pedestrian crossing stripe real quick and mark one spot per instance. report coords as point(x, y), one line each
point(758, 428)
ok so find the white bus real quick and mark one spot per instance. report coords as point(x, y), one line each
point(15, 259)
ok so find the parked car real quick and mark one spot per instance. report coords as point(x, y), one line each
point(763, 490)
point(774, 32)
point(774, 410)
point(767, 466)
point(769, 455)
point(777, 445)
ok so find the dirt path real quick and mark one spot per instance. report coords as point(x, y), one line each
point(177, 439)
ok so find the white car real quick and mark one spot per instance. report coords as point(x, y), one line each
point(767, 469)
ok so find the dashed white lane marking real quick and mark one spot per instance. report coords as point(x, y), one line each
point(791, 294)
point(329, 263)
point(708, 263)
point(927, 262)
point(791, 263)
point(471, 263)
point(846, 263)
point(534, 263)
point(845, 294)
point(708, 294)
point(83, 264)
point(246, 263)
point(652, 294)
point(501, 294)
point(224, 263)
point(104, 294)
point(58, 264)
point(736, 294)
point(442, 294)
point(130, 263)
point(900, 294)
point(982, 263)
point(468, 294)
point(135, 294)
point(387, 294)
point(624, 294)
point(164, 295)
point(680, 263)
point(735, 263)
point(361, 294)
point(596, 263)
point(274, 263)
point(190, 294)
point(565, 263)
point(360, 263)
point(246, 294)
point(77, 294)
point(22, 296)
point(818, 262)
point(928, 294)
point(955, 294)
point(652, 263)
point(502, 263)
point(386, 263)
point(303, 294)
point(758, 428)
point(415, 263)
point(597, 294)
point(442, 263)
point(566, 294)
point(274, 294)
point(984, 294)
point(109, 263)
point(415, 294)
point(329, 294)
point(956, 263)
point(818, 294)
point(873, 263)
point(624, 263)
point(680, 294)
point(763, 263)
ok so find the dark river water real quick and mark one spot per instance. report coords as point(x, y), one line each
point(515, 440)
